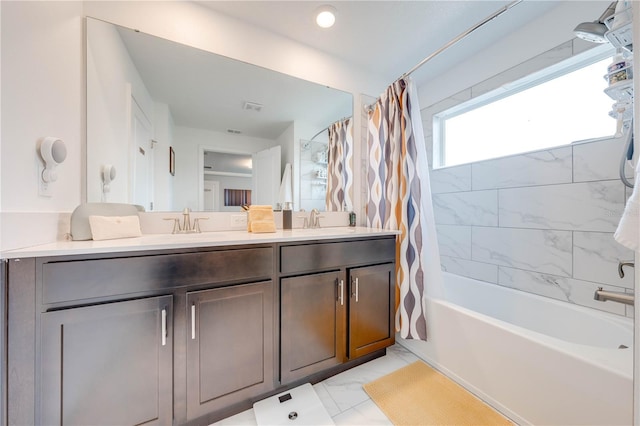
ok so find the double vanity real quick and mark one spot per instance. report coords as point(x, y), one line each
point(188, 329)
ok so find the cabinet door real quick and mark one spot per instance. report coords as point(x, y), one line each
point(229, 346)
point(108, 364)
point(312, 324)
point(371, 309)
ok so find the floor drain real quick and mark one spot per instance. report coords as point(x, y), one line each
point(293, 415)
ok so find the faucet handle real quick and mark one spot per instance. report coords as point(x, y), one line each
point(622, 264)
point(196, 223)
point(305, 223)
point(176, 224)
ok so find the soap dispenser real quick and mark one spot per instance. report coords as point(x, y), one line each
point(286, 216)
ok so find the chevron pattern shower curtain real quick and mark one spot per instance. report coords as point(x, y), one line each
point(339, 167)
point(397, 175)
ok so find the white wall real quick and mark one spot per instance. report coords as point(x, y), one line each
point(42, 95)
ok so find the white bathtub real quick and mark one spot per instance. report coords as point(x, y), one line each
point(537, 360)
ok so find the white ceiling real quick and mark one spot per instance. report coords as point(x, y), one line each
point(388, 37)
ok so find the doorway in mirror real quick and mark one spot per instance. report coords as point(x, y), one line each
point(224, 172)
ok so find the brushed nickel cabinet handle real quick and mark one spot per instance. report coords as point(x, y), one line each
point(341, 292)
point(193, 322)
point(356, 289)
point(164, 327)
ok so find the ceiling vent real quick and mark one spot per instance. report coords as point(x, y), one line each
point(252, 106)
point(234, 131)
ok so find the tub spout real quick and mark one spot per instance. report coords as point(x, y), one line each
point(615, 296)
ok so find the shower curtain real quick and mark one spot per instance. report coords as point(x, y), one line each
point(400, 199)
point(339, 166)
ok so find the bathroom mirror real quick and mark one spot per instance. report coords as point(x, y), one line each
point(156, 107)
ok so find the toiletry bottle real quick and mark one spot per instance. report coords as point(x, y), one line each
point(620, 69)
point(352, 219)
point(286, 216)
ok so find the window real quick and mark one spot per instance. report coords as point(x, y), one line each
point(557, 106)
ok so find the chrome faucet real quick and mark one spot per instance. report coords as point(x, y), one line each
point(305, 223)
point(314, 219)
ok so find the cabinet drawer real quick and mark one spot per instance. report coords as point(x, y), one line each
point(85, 279)
point(318, 256)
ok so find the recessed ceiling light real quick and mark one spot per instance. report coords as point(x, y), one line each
point(325, 16)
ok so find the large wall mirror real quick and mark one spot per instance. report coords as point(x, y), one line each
point(170, 126)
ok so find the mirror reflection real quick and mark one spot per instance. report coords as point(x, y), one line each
point(182, 127)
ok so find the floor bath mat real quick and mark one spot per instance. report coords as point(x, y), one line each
point(419, 395)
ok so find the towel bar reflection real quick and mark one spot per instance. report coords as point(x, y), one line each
point(615, 296)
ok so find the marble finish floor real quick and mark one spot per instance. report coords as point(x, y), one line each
point(342, 394)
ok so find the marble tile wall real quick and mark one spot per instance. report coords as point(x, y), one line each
point(540, 222)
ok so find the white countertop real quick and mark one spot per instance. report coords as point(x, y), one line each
point(205, 239)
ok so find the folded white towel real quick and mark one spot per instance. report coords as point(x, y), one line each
point(628, 232)
point(112, 227)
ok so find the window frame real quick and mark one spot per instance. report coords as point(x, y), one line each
point(559, 69)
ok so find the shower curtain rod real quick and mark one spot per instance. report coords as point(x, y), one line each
point(326, 128)
point(323, 130)
point(456, 40)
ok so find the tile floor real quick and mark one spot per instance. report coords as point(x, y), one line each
point(342, 394)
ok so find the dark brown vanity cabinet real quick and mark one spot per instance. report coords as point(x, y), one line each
point(371, 308)
point(189, 336)
point(229, 346)
point(336, 303)
point(312, 319)
point(161, 337)
point(109, 364)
